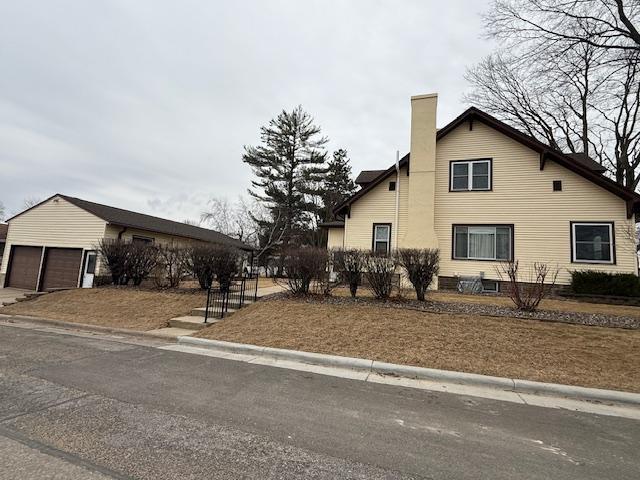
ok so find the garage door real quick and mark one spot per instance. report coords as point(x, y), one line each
point(61, 268)
point(24, 267)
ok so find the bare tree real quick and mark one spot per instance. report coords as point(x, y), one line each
point(234, 219)
point(607, 24)
point(620, 120)
point(576, 96)
point(1, 211)
point(29, 202)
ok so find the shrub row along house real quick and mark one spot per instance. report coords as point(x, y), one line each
point(482, 193)
point(54, 244)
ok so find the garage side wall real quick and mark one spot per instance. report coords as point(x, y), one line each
point(55, 223)
point(114, 231)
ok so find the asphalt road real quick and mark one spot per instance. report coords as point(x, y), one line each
point(76, 407)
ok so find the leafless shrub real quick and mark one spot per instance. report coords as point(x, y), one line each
point(172, 265)
point(303, 265)
point(226, 264)
point(200, 264)
point(213, 261)
point(528, 293)
point(421, 266)
point(128, 261)
point(380, 270)
point(349, 264)
point(114, 255)
point(141, 261)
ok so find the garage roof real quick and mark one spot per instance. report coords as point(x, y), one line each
point(127, 218)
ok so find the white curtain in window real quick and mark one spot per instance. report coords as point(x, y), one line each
point(482, 242)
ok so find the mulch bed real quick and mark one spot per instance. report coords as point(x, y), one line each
point(465, 308)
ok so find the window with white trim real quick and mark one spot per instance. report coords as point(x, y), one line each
point(482, 242)
point(381, 238)
point(470, 175)
point(592, 242)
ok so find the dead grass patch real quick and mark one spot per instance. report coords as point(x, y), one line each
point(507, 347)
point(132, 308)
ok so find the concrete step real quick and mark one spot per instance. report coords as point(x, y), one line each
point(200, 312)
point(190, 322)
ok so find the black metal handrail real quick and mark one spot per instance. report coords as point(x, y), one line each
point(220, 300)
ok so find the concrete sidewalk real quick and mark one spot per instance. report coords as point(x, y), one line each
point(10, 295)
point(609, 402)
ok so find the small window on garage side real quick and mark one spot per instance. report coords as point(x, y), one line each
point(592, 242)
point(557, 185)
point(392, 186)
point(141, 240)
point(381, 237)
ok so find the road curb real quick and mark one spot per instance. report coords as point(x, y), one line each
point(407, 371)
point(84, 326)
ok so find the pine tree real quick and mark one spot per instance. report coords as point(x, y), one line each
point(288, 165)
point(338, 184)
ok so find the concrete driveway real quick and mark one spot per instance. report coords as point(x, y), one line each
point(11, 294)
point(122, 408)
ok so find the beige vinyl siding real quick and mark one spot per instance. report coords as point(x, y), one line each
point(113, 231)
point(55, 223)
point(377, 206)
point(523, 196)
point(335, 238)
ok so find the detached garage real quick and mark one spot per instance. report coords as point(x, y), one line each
point(53, 245)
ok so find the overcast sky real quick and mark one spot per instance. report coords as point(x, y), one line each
point(146, 104)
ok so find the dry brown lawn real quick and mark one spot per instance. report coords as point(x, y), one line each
point(507, 347)
point(111, 307)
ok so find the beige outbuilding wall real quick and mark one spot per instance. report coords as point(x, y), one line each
point(55, 223)
point(114, 231)
point(523, 195)
point(335, 238)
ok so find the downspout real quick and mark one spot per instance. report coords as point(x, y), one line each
point(396, 226)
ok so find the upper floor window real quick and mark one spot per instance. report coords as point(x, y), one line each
point(592, 242)
point(381, 237)
point(468, 175)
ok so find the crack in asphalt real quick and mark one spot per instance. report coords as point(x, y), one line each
point(43, 408)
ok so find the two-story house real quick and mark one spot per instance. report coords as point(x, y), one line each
point(482, 192)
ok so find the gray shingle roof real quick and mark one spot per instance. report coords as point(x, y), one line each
point(368, 176)
point(127, 218)
point(587, 161)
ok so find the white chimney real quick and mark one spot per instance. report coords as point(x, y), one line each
point(422, 170)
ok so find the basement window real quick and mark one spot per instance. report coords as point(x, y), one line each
point(392, 186)
point(490, 286)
